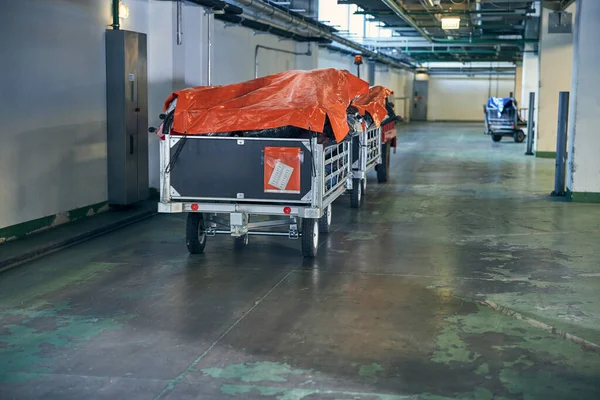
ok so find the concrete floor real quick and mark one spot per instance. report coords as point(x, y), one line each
point(448, 284)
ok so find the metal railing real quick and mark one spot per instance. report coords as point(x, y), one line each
point(336, 167)
point(373, 146)
point(506, 120)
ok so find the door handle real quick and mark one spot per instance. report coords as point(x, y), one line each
point(130, 144)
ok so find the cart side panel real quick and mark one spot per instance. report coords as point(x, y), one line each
point(231, 169)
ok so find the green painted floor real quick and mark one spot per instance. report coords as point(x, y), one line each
point(460, 278)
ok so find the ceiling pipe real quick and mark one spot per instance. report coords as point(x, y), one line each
point(313, 28)
point(477, 11)
point(179, 22)
point(471, 70)
point(453, 43)
point(399, 11)
point(459, 51)
point(469, 73)
point(218, 5)
point(519, 42)
point(115, 15)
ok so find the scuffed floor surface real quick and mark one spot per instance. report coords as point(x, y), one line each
point(412, 297)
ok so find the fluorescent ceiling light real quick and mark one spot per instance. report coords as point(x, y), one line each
point(450, 23)
point(510, 37)
point(123, 11)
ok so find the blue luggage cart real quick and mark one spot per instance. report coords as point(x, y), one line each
point(502, 119)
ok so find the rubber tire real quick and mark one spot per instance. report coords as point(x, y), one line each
point(325, 220)
point(241, 242)
point(357, 195)
point(383, 169)
point(310, 237)
point(519, 136)
point(496, 138)
point(193, 239)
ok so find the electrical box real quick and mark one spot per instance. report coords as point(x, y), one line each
point(127, 117)
point(560, 22)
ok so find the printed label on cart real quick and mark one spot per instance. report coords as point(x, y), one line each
point(282, 169)
point(281, 175)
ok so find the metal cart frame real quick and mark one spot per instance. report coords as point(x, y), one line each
point(505, 124)
point(329, 170)
point(366, 156)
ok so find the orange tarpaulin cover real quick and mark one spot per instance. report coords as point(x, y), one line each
point(373, 103)
point(294, 98)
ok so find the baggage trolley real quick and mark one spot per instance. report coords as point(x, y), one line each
point(222, 183)
point(502, 119)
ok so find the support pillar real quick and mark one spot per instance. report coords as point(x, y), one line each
point(519, 84)
point(530, 77)
point(556, 55)
point(583, 171)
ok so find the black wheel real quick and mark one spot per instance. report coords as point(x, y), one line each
point(357, 193)
point(496, 138)
point(325, 220)
point(519, 136)
point(195, 235)
point(241, 242)
point(383, 169)
point(310, 237)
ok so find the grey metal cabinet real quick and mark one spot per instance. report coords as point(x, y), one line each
point(127, 116)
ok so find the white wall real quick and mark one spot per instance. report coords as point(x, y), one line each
point(461, 98)
point(530, 79)
point(53, 90)
point(518, 84)
point(234, 49)
point(556, 65)
point(333, 59)
point(583, 173)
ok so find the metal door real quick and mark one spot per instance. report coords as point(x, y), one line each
point(420, 95)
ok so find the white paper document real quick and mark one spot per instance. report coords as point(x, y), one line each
point(281, 175)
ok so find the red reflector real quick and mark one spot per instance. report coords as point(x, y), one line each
point(194, 207)
point(287, 210)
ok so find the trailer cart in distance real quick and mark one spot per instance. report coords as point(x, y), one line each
point(501, 117)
